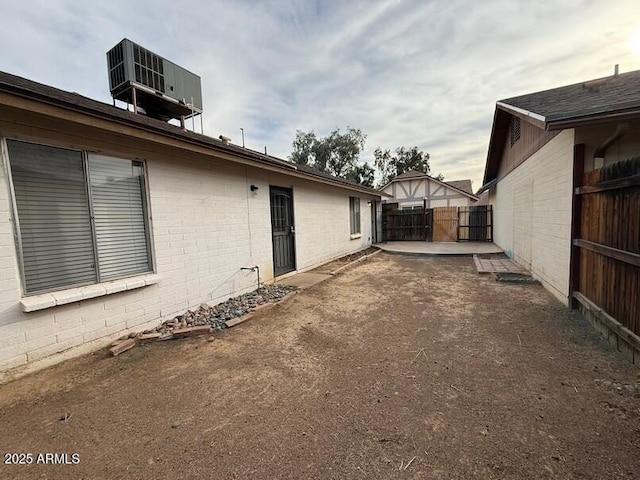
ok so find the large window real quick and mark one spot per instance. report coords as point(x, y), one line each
point(81, 217)
point(354, 215)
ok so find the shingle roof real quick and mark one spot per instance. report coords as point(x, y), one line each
point(464, 185)
point(72, 101)
point(409, 174)
point(603, 95)
point(616, 97)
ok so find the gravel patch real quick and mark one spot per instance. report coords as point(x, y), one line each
point(217, 315)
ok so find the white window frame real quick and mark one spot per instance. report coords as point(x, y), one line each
point(4, 156)
point(355, 217)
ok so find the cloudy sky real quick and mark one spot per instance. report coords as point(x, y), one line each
point(423, 73)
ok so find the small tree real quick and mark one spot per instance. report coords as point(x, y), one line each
point(405, 159)
point(336, 154)
point(362, 174)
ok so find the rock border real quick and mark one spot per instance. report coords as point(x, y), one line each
point(126, 343)
point(357, 260)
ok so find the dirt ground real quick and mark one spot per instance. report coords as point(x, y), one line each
point(402, 367)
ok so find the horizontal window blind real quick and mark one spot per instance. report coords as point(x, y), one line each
point(53, 212)
point(117, 196)
point(354, 215)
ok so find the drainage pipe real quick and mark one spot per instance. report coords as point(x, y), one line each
point(253, 269)
point(620, 131)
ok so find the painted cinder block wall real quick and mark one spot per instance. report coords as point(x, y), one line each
point(206, 225)
point(532, 213)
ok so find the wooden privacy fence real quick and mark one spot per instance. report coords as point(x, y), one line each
point(605, 267)
point(401, 225)
point(438, 224)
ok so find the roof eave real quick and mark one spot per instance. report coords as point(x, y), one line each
point(535, 118)
point(254, 158)
point(586, 120)
point(487, 186)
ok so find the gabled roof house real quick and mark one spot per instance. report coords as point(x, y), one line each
point(544, 146)
point(415, 189)
point(113, 221)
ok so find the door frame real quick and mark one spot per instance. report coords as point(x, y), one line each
point(289, 191)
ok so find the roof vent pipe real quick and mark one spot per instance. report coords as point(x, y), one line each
point(615, 70)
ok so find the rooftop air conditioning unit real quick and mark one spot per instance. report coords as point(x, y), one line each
point(141, 78)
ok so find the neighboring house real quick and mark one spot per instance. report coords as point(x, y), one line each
point(415, 189)
point(113, 222)
point(541, 147)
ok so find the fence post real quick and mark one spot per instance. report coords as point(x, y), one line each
point(576, 212)
point(491, 230)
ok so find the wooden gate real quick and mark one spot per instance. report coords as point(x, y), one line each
point(605, 260)
point(445, 224)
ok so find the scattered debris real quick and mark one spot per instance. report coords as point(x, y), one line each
point(410, 462)
point(510, 277)
point(123, 346)
point(65, 416)
point(633, 388)
point(456, 388)
point(421, 351)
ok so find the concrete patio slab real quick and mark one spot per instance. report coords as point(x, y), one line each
point(440, 248)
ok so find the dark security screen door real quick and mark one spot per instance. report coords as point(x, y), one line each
point(284, 258)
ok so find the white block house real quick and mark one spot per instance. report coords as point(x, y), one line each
point(540, 146)
point(112, 222)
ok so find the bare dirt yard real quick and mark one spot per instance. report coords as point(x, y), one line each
point(402, 367)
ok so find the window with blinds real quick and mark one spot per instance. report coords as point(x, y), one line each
point(81, 219)
point(117, 188)
point(354, 215)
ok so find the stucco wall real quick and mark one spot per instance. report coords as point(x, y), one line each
point(532, 213)
point(206, 225)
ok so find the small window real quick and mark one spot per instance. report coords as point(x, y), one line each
point(514, 130)
point(81, 218)
point(354, 215)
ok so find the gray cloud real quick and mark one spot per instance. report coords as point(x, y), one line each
point(405, 72)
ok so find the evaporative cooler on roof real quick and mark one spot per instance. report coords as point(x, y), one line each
point(141, 78)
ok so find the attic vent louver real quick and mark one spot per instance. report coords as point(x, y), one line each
point(514, 130)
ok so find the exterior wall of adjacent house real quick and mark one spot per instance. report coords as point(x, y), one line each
point(206, 224)
point(624, 148)
point(532, 213)
point(413, 192)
